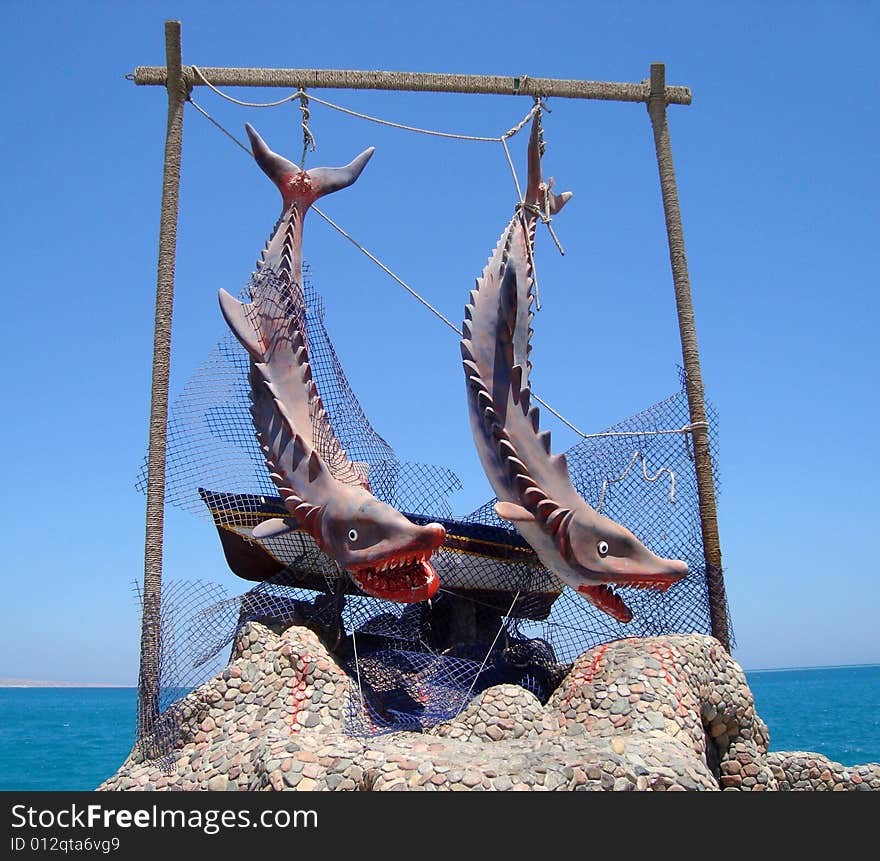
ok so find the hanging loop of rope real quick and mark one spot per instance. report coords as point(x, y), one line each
point(299, 93)
point(309, 144)
point(635, 458)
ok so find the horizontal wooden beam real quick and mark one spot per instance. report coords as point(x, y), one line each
point(415, 82)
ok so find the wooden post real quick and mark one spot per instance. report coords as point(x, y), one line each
point(148, 679)
point(657, 102)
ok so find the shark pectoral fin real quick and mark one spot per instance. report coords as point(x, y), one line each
point(274, 527)
point(512, 511)
point(242, 328)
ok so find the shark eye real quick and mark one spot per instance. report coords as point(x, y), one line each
point(352, 535)
point(602, 547)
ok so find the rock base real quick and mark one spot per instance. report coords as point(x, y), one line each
point(661, 713)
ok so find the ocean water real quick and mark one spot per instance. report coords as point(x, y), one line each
point(834, 711)
point(74, 738)
point(64, 738)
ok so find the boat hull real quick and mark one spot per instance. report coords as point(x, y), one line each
point(487, 564)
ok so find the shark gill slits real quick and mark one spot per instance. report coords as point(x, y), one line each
point(563, 542)
point(555, 520)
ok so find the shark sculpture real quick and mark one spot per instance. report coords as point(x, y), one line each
point(589, 552)
point(323, 492)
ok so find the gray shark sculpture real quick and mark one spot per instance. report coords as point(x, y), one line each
point(589, 552)
point(324, 492)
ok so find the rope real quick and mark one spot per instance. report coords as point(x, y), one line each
point(301, 92)
point(504, 619)
point(357, 667)
point(626, 472)
point(211, 119)
point(229, 98)
point(427, 304)
point(443, 317)
point(308, 137)
point(386, 270)
point(686, 429)
point(521, 205)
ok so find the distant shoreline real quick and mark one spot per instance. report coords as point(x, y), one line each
point(824, 667)
point(33, 683)
point(37, 683)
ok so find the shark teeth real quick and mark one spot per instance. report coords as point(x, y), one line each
point(406, 560)
point(405, 578)
point(655, 585)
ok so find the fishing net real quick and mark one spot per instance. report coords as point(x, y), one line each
point(500, 616)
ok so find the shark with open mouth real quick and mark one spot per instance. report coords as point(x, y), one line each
point(323, 492)
point(591, 553)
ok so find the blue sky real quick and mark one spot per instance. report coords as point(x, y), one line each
point(777, 163)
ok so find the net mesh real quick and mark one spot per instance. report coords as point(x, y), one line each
point(500, 616)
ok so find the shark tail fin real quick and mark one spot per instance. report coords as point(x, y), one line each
point(322, 180)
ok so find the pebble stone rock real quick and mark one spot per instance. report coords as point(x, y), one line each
point(659, 713)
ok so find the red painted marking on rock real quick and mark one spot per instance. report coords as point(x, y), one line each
point(299, 686)
point(594, 664)
point(581, 677)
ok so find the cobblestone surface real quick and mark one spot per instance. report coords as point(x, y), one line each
point(659, 713)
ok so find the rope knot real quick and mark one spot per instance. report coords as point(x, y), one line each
point(309, 144)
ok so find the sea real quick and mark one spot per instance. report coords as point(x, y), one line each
point(73, 738)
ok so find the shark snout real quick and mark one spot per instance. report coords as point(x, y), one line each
point(399, 569)
point(433, 535)
point(646, 570)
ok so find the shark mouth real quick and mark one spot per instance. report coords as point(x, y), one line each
point(609, 601)
point(406, 578)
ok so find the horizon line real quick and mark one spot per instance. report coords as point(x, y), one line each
point(811, 667)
